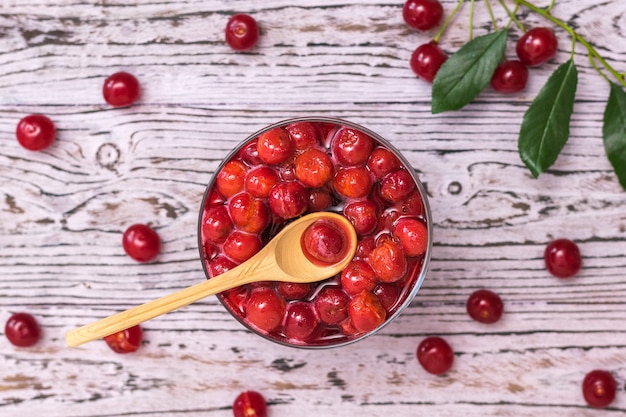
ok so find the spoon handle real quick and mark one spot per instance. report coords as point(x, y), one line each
point(136, 315)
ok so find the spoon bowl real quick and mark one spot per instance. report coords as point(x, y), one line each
point(282, 259)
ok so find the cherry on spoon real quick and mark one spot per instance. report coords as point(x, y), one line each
point(282, 259)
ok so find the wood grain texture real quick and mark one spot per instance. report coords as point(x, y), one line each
point(63, 211)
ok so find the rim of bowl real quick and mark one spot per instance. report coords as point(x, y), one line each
point(427, 215)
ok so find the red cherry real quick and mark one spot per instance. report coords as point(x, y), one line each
point(388, 261)
point(422, 14)
point(397, 186)
point(141, 242)
point(366, 312)
point(313, 168)
point(382, 161)
point(35, 132)
point(332, 305)
point(325, 242)
point(242, 32)
point(388, 294)
point(358, 276)
point(435, 355)
point(260, 180)
point(510, 77)
point(304, 135)
point(536, 46)
point(22, 330)
point(364, 247)
point(412, 235)
point(274, 146)
point(599, 388)
point(562, 258)
point(241, 246)
point(319, 200)
point(484, 306)
point(216, 224)
point(265, 309)
point(231, 178)
point(126, 341)
point(411, 206)
point(288, 199)
point(249, 154)
point(248, 213)
point(293, 290)
point(351, 147)
point(219, 265)
point(363, 215)
point(121, 89)
point(426, 61)
point(300, 321)
point(249, 404)
point(353, 182)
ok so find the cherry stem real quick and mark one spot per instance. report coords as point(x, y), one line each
point(448, 20)
point(576, 38)
point(493, 18)
point(471, 20)
point(512, 16)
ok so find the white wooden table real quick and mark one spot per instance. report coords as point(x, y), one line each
point(63, 211)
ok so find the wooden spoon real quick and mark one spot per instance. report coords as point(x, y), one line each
point(282, 259)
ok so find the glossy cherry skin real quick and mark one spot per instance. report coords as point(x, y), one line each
point(426, 61)
point(249, 404)
point(141, 242)
point(125, 341)
point(366, 312)
point(422, 14)
point(22, 330)
point(288, 199)
point(260, 180)
point(510, 77)
point(35, 132)
point(363, 215)
point(324, 242)
point(216, 224)
point(300, 321)
point(231, 178)
point(435, 355)
point(562, 258)
point(304, 135)
point(242, 32)
point(241, 246)
point(358, 276)
point(484, 306)
point(388, 261)
point(353, 182)
point(352, 147)
point(599, 388)
point(121, 89)
point(382, 161)
point(265, 309)
point(536, 46)
point(274, 146)
point(332, 305)
point(413, 236)
point(397, 186)
point(313, 168)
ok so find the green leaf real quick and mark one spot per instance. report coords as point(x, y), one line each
point(466, 73)
point(614, 132)
point(545, 127)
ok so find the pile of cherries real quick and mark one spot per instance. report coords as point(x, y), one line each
point(309, 166)
point(533, 48)
point(313, 167)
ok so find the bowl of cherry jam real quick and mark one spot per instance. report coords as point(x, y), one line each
point(304, 165)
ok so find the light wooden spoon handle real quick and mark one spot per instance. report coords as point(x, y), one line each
point(136, 315)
